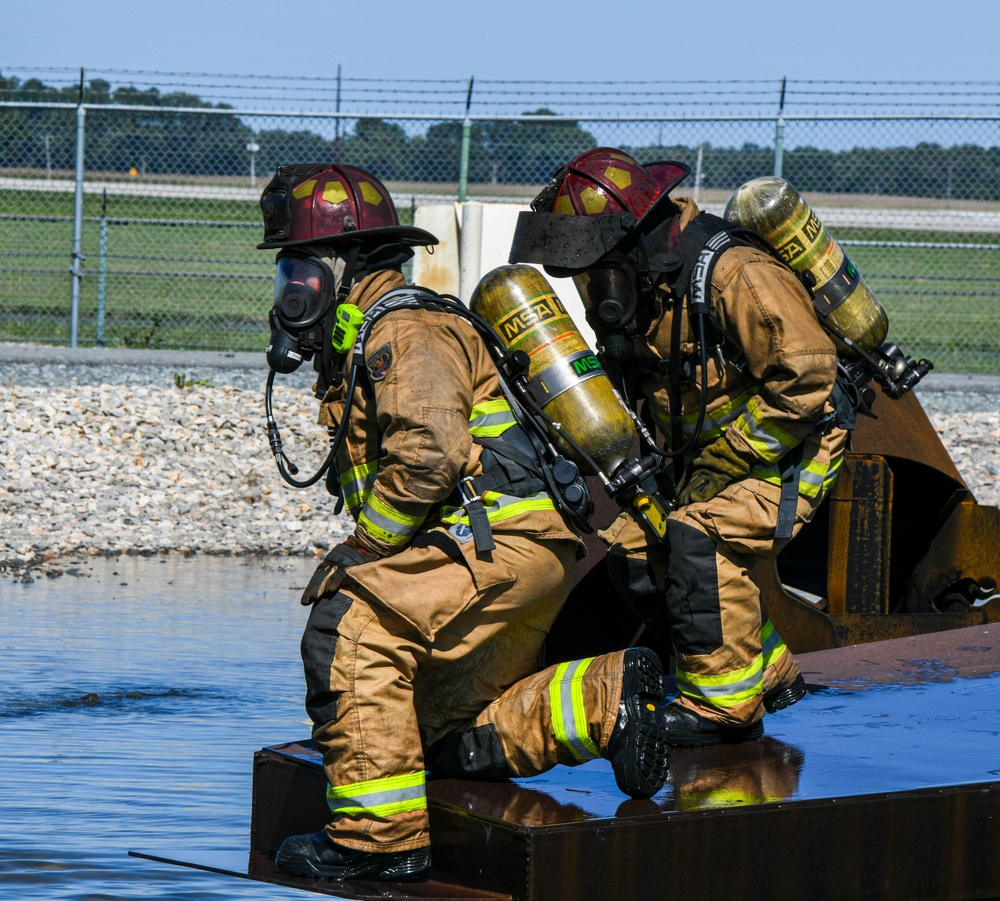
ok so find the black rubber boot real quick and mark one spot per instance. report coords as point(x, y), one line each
point(316, 855)
point(685, 729)
point(780, 698)
point(638, 748)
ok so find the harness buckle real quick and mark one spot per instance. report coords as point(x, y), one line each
point(469, 496)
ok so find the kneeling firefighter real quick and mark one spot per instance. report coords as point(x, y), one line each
point(423, 644)
point(719, 339)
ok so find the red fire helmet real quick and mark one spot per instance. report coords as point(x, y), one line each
point(332, 204)
point(603, 181)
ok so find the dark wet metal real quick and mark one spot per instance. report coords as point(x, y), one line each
point(259, 866)
point(883, 782)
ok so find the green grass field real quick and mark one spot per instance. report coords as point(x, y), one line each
point(184, 273)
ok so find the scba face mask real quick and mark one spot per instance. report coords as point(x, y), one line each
point(617, 308)
point(301, 315)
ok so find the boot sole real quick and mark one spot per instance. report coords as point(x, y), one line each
point(641, 769)
point(785, 697)
point(407, 866)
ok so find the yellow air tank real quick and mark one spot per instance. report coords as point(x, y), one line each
point(565, 377)
point(774, 209)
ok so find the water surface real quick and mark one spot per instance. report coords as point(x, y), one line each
point(133, 695)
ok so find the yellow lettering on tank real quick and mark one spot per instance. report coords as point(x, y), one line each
point(539, 311)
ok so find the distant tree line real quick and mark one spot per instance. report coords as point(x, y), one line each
point(160, 139)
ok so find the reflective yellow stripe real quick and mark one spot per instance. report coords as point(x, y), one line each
point(832, 472)
point(718, 419)
point(771, 645)
point(500, 507)
point(725, 689)
point(722, 797)
point(569, 716)
point(769, 440)
point(379, 797)
point(385, 523)
point(815, 476)
point(490, 419)
point(356, 484)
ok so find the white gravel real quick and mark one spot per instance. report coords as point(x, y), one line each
point(131, 452)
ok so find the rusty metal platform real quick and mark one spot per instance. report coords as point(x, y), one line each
point(884, 782)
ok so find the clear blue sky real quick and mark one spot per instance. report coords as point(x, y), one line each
point(864, 40)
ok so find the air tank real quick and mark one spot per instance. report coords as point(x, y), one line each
point(565, 377)
point(774, 209)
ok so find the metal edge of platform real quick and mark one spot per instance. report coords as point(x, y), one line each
point(258, 866)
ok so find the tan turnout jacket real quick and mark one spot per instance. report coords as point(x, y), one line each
point(430, 386)
point(779, 367)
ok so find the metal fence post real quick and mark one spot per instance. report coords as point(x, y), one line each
point(463, 169)
point(102, 269)
point(77, 265)
point(779, 134)
point(698, 174)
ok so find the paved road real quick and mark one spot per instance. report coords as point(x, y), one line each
point(920, 219)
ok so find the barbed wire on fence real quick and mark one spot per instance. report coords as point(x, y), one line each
point(368, 95)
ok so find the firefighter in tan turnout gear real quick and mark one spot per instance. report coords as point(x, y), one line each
point(422, 649)
point(720, 341)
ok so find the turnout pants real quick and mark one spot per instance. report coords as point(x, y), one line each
point(423, 662)
point(727, 652)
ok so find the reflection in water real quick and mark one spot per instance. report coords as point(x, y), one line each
point(760, 772)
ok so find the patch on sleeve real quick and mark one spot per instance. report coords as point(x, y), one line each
point(379, 362)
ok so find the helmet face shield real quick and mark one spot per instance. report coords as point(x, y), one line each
point(567, 242)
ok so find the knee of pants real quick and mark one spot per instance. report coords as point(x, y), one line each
point(474, 754)
point(319, 644)
point(692, 590)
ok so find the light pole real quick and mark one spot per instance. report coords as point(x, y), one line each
point(253, 147)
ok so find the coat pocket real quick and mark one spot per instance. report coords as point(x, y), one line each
point(433, 580)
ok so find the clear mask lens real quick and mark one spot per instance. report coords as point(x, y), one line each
point(298, 291)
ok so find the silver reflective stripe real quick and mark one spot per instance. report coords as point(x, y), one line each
point(492, 422)
point(564, 374)
point(569, 715)
point(370, 800)
point(709, 691)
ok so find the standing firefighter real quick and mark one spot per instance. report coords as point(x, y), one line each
point(721, 342)
point(427, 622)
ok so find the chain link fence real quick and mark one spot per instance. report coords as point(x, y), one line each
point(135, 225)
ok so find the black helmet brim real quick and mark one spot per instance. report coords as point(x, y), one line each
point(407, 235)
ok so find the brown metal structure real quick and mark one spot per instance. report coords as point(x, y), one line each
point(901, 547)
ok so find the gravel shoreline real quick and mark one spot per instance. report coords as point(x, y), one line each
point(143, 452)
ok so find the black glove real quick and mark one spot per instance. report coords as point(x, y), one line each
point(325, 582)
point(718, 464)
